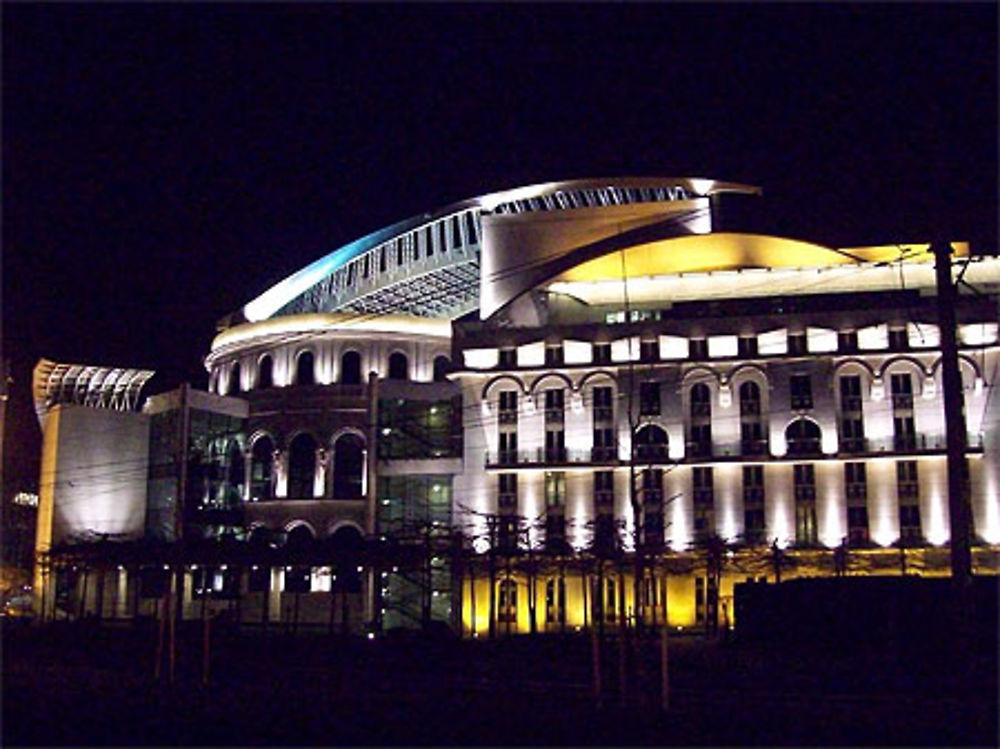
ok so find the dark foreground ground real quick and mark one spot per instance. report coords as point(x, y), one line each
point(78, 685)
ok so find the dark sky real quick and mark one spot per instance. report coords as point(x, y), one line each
point(164, 164)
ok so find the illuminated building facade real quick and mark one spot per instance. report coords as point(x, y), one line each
point(500, 405)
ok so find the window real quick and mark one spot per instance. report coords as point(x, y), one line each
point(652, 525)
point(234, 380)
point(857, 524)
point(350, 368)
point(603, 404)
point(555, 489)
point(554, 355)
point(701, 401)
point(852, 434)
point(649, 350)
point(610, 601)
point(698, 348)
point(904, 433)
point(302, 467)
point(507, 491)
point(604, 444)
point(508, 448)
point(909, 523)
point(700, 445)
point(746, 346)
point(803, 437)
point(753, 505)
point(399, 367)
point(555, 446)
point(261, 473)
point(348, 467)
point(752, 440)
point(604, 489)
point(651, 443)
point(602, 353)
point(847, 341)
point(704, 500)
point(265, 369)
point(651, 485)
point(800, 390)
point(902, 392)
point(554, 405)
point(907, 486)
point(649, 398)
point(508, 357)
point(555, 601)
point(508, 407)
point(304, 369)
point(441, 366)
point(796, 343)
point(850, 394)
point(855, 482)
point(507, 601)
point(749, 399)
point(898, 339)
point(805, 504)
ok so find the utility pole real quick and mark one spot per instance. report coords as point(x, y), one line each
point(958, 506)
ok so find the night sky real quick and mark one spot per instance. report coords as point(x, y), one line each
point(164, 164)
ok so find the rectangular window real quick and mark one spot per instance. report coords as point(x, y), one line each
point(508, 407)
point(852, 434)
point(850, 394)
point(847, 341)
point(746, 346)
point(652, 485)
point(649, 398)
point(909, 523)
point(753, 485)
point(805, 504)
point(700, 445)
point(698, 348)
point(555, 446)
point(907, 485)
point(704, 485)
point(554, 406)
point(508, 447)
point(855, 482)
point(603, 404)
point(649, 350)
point(904, 433)
point(604, 488)
point(754, 532)
point(752, 440)
point(602, 353)
point(857, 524)
point(507, 491)
point(800, 390)
point(902, 392)
point(604, 444)
point(898, 339)
point(555, 489)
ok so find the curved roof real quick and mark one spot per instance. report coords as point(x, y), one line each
point(114, 388)
point(428, 265)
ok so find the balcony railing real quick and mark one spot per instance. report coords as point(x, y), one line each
point(603, 453)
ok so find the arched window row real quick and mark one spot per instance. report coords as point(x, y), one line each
point(311, 471)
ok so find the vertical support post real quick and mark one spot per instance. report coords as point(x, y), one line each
point(958, 507)
point(371, 521)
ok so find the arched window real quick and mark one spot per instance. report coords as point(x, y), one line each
point(265, 372)
point(305, 369)
point(651, 442)
point(261, 471)
point(234, 379)
point(441, 366)
point(399, 368)
point(749, 399)
point(301, 467)
point(348, 467)
point(701, 400)
point(350, 368)
point(803, 437)
point(299, 538)
point(235, 472)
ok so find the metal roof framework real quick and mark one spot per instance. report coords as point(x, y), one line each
point(114, 388)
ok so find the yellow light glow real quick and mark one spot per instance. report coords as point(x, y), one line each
point(726, 251)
